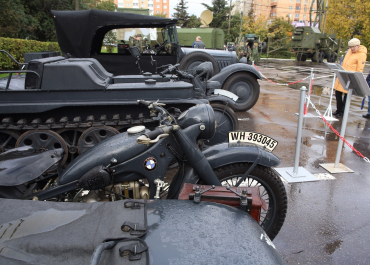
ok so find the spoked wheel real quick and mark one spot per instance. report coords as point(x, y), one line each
point(93, 136)
point(71, 137)
point(271, 189)
point(8, 140)
point(226, 121)
point(44, 140)
point(246, 87)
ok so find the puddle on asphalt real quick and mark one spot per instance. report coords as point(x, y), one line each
point(330, 248)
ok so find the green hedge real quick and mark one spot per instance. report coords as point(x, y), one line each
point(17, 47)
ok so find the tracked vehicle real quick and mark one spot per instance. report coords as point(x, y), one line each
point(75, 103)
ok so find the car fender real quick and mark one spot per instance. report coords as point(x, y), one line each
point(222, 57)
point(227, 71)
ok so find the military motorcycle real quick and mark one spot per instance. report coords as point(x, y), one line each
point(134, 164)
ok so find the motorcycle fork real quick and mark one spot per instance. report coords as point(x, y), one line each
point(187, 141)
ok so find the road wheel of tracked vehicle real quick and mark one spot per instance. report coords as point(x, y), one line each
point(192, 60)
point(226, 121)
point(271, 189)
point(93, 136)
point(246, 87)
point(71, 137)
point(303, 57)
point(43, 140)
point(8, 140)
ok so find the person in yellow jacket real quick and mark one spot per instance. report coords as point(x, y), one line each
point(353, 61)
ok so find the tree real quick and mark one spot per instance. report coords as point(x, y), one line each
point(279, 28)
point(181, 13)
point(193, 22)
point(356, 15)
point(160, 15)
point(14, 22)
point(220, 13)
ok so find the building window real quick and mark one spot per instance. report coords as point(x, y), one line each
point(164, 1)
point(127, 4)
point(150, 5)
point(157, 12)
point(142, 6)
point(157, 1)
point(296, 16)
point(305, 9)
point(157, 6)
point(135, 4)
point(297, 8)
point(290, 7)
point(298, 1)
point(165, 7)
point(290, 15)
point(120, 3)
point(165, 12)
point(304, 16)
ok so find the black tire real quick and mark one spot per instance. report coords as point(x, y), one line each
point(192, 60)
point(313, 59)
point(321, 57)
point(226, 121)
point(271, 188)
point(303, 57)
point(246, 87)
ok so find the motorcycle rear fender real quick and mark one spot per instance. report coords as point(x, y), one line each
point(222, 155)
point(232, 69)
point(223, 99)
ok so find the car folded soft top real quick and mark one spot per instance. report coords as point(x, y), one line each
point(80, 32)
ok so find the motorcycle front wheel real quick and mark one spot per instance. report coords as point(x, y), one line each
point(271, 189)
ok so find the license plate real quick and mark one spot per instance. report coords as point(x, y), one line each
point(259, 139)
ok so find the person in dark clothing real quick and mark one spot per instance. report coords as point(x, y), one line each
point(367, 116)
point(198, 43)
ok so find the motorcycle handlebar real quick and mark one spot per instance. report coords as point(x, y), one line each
point(144, 103)
point(153, 134)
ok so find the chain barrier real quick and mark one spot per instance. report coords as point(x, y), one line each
point(336, 132)
point(285, 84)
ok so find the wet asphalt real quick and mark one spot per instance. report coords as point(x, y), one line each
point(328, 221)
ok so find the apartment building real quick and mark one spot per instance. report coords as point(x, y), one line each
point(154, 6)
point(296, 10)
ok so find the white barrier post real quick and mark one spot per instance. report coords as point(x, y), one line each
point(297, 174)
point(328, 115)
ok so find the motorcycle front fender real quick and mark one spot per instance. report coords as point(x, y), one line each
point(232, 69)
point(222, 155)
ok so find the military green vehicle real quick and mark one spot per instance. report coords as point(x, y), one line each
point(312, 41)
point(309, 42)
point(213, 38)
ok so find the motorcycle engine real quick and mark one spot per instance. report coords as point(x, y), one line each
point(119, 191)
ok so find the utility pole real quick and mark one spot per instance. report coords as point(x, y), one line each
point(229, 17)
point(241, 20)
point(76, 4)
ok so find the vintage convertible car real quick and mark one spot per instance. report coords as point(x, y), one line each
point(81, 35)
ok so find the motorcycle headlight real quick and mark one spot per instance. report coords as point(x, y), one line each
point(200, 114)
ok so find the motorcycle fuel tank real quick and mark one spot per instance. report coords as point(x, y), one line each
point(122, 147)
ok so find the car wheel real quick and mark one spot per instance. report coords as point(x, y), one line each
point(246, 87)
point(192, 60)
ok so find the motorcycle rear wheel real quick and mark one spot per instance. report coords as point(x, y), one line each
point(271, 188)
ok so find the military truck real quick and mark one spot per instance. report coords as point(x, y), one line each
point(213, 38)
point(309, 42)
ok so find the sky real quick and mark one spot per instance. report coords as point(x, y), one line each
point(194, 7)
